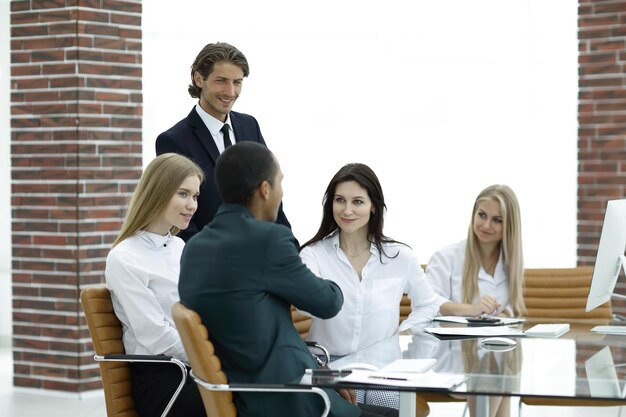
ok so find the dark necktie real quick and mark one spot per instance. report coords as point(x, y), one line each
point(226, 133)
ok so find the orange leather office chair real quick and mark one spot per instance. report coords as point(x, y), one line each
point(206, 368)
point(560, 295)
point(106, 334)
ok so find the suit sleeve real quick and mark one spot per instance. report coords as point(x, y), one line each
point(288, 278)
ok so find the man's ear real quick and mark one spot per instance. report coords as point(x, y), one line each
point(197, 78)
point(264, 190)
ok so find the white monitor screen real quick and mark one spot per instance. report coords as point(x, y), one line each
point(601, 375)
point(610, 254)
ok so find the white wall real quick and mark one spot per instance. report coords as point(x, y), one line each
point(441, 99)
point(5, 176)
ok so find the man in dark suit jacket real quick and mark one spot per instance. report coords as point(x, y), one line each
point(216, 79)
point(242, 273)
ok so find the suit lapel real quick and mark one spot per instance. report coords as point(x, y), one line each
point(203, 134)
point(237, 127)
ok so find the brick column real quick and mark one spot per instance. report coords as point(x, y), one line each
point(602, 121)
point(76, 106)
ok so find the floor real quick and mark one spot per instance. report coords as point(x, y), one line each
point(16, 402)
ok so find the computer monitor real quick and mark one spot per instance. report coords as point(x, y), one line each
point(602, 376)
point(610, 256)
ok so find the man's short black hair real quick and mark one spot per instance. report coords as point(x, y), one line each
point(240, 170)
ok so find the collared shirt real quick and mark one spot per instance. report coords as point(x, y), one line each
point(372, 304)
point(215, 127)
point(445, 273)
point(142, 274)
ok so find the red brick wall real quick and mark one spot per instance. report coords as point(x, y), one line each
point(76, 106)
point(602, 120)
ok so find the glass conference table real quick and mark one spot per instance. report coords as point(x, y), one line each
point(579, 365)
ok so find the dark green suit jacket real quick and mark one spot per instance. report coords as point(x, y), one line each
point(242, 275)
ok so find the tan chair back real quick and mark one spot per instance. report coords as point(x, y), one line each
point(405, 307)
point(203, 361)
point(301, 322)
point(561, 293)
point(106, 334)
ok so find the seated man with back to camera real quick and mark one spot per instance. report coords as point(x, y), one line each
point(241, 273)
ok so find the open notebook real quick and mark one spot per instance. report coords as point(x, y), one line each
point(466, 332)
point(503, 321)
point(399, 365)
point(428, 379)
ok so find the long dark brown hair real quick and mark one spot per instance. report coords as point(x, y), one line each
point(367, 179)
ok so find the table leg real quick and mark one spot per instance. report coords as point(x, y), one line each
point(408, 404)
point(482, 406)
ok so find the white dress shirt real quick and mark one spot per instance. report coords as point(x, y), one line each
point(371, 305)
point(445, 274)
point(215, 127)
point(142, 274)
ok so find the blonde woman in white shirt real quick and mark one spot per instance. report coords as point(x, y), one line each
point(142, 274)
point(484, 274)
point(372, 269)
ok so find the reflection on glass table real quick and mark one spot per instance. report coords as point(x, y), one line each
point(579, 365)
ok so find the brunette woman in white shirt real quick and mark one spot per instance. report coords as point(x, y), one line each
point(484, 274)
point(372, 269)
point(142, 274)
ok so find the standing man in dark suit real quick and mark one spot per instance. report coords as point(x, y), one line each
point(242, 273)
point(216, 79)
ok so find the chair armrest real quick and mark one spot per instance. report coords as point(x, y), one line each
point(138, 358)
point(316, 345)
point(264, 388)
point(150, 359)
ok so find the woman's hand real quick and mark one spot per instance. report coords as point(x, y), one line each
point(486, 305)
point(347, 394)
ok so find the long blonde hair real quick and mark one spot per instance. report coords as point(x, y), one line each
point(158, 183)
point(511, 246)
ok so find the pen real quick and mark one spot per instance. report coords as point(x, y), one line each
point(391, 378)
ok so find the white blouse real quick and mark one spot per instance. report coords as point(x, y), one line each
point(371, 305)
point(142, 274)
point(445, 274)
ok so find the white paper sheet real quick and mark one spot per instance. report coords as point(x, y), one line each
point(403, 379)
point(410, 365)
point(482, 331)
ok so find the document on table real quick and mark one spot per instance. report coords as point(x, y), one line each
point(463, 320)
point(464, 332)
point(410, 365)
point(610, 329)
point(428, 379)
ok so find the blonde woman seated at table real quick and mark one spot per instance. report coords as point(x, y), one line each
point(142, 274)
point(372, 270)
point(484, 274)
